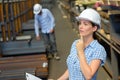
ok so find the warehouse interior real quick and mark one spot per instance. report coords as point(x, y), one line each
point(20, 52)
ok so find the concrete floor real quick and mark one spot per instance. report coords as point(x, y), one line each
point(65, 35)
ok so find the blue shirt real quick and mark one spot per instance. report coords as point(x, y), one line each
point(45, 21)
point(93, 51)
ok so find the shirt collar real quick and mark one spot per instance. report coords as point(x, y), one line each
point(92, 44)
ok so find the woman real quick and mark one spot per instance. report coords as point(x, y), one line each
point(87, 54)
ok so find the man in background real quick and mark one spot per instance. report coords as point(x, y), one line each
point(45, 21)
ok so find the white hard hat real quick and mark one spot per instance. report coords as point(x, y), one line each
point(37, 8)
point(91, 15)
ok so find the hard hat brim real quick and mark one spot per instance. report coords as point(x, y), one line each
point(81, 18)
point(78, 18)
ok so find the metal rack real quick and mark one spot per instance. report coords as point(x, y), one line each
point(20, 53)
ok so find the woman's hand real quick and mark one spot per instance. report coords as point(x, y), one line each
point(80, 46)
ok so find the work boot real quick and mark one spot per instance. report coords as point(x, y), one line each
point(56, 56)
point(49, 56)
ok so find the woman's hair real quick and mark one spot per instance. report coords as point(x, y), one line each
point(93, 24)
point(94, 34)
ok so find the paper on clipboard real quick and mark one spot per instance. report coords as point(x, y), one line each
point(31, 77)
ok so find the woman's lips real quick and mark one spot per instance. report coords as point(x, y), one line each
point(81, 30)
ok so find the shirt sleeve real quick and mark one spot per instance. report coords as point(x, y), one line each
point(51, 19)
point(36, 25)
point(100, 54)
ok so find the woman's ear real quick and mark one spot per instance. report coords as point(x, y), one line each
point(95, 28)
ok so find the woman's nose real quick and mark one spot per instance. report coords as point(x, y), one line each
point(80, 26)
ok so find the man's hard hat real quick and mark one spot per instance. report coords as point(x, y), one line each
point(37, 8)
point(91, 15)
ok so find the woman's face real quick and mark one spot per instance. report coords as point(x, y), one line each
point(86, 28)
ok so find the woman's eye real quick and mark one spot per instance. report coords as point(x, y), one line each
point(85, 24)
